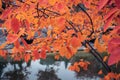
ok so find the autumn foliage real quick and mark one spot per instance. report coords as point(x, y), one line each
point(68, 24)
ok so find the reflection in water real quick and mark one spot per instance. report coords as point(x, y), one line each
point(48, 69)
point(48, 74)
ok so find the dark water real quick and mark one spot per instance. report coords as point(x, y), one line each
point(48, 69)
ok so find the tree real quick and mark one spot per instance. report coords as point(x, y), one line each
point(69, 25)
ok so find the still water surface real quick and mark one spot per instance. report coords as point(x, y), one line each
point(41, 70)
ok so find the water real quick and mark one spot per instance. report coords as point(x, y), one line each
point(48, 69)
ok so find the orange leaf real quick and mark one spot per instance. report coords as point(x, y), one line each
point(52, 2)
point(27, 24)
point(105, 58)
point(17, 44)
point(75, 42)
point(12, 37)
point(57, 57)
point(15, 25)
point(0, 4)
point(100, 47)
point(100, 72)
point(102, 3)
point(27, 57)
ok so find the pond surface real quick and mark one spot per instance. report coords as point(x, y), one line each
point(48, 69)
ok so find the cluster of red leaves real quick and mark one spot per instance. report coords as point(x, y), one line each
point(77, 65)
point(114, 46)
point(112, 14)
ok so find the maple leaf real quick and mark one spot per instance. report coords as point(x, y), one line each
point(114, 50)
point(75, 42)
point(12, 38)
point(117, 3)
point(61, 7)
point(36, 55)
point(17, 44)
point(5, 13)
point(102, 3)
point(15, 25)
point(27, 57)
point(43, 54)
point(106, 26)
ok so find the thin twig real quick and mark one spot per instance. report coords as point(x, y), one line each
point(72, 26)
point(89, 19)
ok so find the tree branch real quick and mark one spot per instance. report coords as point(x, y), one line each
point(97, 56)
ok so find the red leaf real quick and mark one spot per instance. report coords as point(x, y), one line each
point(114, 57)
point(6, 13)
point(114, 50)
point(108, 22)
point(17, 44)
point(61, 7)
point(43, 54)
point(110, 13)
point(115, 41)
point(102, 3)
point(117, 3)
point(27, 57)
point(43, 2)
point(15, 25)
point(36, 54)
point(12, 37)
